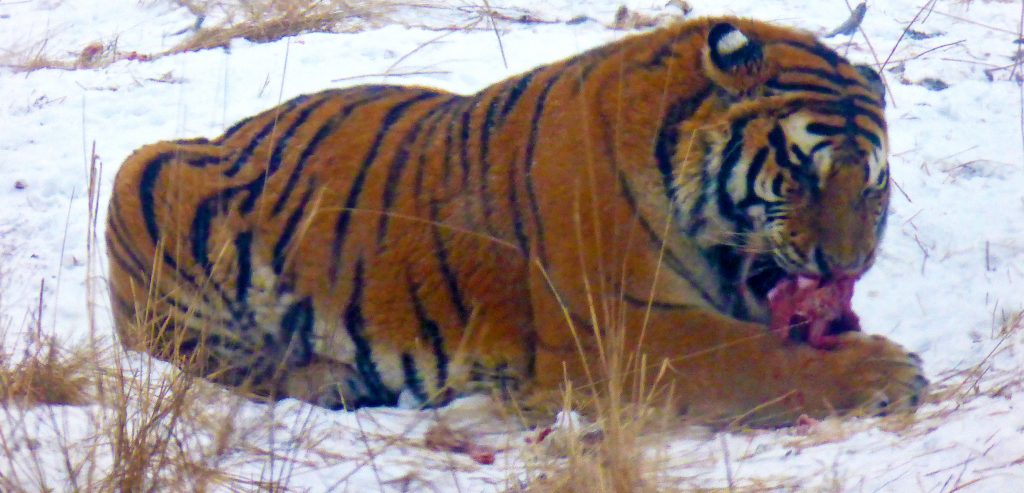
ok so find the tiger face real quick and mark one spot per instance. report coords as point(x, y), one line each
point(799, 146)
point(819, 205)
point(828, 199)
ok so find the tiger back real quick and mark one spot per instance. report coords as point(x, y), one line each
point(354, 245)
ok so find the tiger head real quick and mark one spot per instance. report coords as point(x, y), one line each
point(794, 170)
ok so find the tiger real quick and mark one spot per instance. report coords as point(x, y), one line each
point(379, 244)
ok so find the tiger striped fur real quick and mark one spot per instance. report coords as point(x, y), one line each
point(354, 244)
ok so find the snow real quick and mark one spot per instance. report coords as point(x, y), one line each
point(949, 274)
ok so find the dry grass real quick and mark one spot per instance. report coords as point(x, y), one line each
point(258, 21)
point(263, 21)
point(47, 375)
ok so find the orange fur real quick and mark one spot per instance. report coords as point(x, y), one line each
point(351, 244)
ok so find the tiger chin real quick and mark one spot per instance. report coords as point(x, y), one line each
point(356, 245)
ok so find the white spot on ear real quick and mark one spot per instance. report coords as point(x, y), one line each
point(732, 42)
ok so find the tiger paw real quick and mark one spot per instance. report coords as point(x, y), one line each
point(865, 375)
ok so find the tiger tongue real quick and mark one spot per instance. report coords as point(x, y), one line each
point(805, 308)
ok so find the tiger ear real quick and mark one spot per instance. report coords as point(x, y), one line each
point(874, 80)
point(733, 60)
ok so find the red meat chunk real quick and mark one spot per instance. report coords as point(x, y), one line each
point(807, 309)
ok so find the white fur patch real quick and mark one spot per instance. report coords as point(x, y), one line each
point(732, 42)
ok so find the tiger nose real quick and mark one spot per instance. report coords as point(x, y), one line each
point(839, 266)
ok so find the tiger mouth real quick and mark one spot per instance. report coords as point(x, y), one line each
point(764, 275)
point(804, 308)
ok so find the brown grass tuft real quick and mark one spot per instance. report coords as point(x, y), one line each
point(46, 375)
point(264, 21)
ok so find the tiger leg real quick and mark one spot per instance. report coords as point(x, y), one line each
point(720, 371)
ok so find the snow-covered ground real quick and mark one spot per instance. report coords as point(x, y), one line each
point(951, 270)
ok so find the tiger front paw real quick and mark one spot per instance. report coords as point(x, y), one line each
point(866, 375)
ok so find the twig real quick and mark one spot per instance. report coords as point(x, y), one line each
point(1020, 83)
point(728, 463)
point(968, 21)
point(391, 74)
point(494, 25)
point(988, 256)
point(898, 187)
point(924, 7)
point(429, 42)
point(924, 250)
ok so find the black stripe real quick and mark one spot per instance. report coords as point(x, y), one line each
point(824, 129)
point(829, 76)
point(777, 185)
point(439, 247)
point(398, 163)
point(514, 207)
point(730, 158)
point(146, 191)
point(871, 111)
point(516, 91)
point(117, 239)
point(779, 144)
point(696, 220)
point(467, 115)
point(140, 270)
point(424, 152)
point(297, 332)
point(830, 57)
point(449, 141)
point(430, 332)
point(285, 238)
point(799, 87)
point(819, 260)
point(355, 325)
point(328, 127)
point(450, 278)
point(199, 233)
point(256, 186)
point(531, 146)
point(870, 136)
point(871, 115)
point(485, 165)
point(125, 265)
point(341, 226)
point(753, 172)
point(668, 138)
point(146, 200)
point(882, 182)
point(244, 122)
point(847, 108)
point(242, 158)
point(243, 278)
point(412, 378)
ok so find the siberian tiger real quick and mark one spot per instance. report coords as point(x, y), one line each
point(356, 244)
